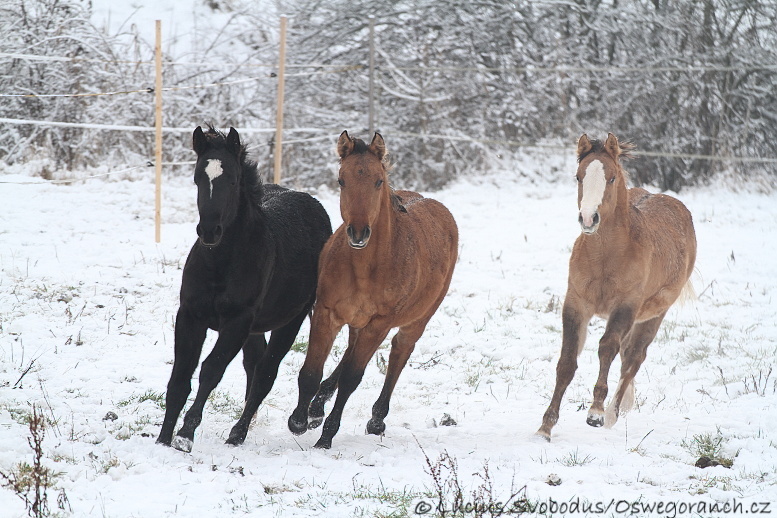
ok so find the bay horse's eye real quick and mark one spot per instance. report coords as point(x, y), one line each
point(341, 182)
point(378, 183)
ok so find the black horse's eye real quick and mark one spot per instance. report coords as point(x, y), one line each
point(341, 182)
point(378, 183)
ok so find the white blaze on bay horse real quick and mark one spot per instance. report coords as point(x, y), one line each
point(632, 261)
point(389, 265)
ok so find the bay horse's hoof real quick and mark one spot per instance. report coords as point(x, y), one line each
point(296, 427)
point(375, 427)
point(595, 420)
point(323, 444)
point(182, 444)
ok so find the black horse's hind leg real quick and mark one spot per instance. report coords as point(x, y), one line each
point(264, 376)
point(329, 385)
point(189, 337)
point(232, 335)
point(253, 349)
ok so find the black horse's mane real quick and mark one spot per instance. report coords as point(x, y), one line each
point(250, 180)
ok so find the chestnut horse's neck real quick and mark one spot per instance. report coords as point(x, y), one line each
point(616, 221)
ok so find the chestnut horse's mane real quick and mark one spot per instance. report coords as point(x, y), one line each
point(597, 146)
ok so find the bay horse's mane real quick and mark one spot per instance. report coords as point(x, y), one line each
point(250, 180)
point(362, 148)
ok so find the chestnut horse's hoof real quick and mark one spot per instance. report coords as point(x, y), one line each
point(595, 420)
point(182, 444)
point(296, 427)
point(541, 434)
point(375, 427)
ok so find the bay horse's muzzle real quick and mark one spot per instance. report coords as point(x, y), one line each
point(210, 238)
point(589, 225)
point(358, 240)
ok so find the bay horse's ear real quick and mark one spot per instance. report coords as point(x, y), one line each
point(377, 146)
point(233, 141)
point(199, 142)
point(612, 147)
point(583, 145)
point(344, 145)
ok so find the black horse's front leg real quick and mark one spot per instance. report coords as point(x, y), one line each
point(232, 334)
point(189, 337)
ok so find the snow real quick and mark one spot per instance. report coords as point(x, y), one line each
point(87, 302)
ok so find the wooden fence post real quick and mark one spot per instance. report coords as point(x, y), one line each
point(158, 139)
point(279, 109)
point(372, 76)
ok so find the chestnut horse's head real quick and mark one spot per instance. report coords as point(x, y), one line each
point(599, 179)
point(364, 188)
point(217, 174)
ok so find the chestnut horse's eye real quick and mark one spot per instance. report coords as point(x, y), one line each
point(341, 182)
point(612, 180)
point(378, 183)
point(577, 178)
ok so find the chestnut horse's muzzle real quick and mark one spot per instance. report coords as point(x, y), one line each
point(358, 240)
point(590, 224)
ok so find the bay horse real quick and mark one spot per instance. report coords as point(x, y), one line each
point(388, 265)
point(632, 261)
point(253, 269)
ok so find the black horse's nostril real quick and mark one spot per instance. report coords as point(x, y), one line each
point(218, 231)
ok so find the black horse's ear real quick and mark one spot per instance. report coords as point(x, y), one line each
point(378, 146)
point(233, 141)
point(583, 145)
point(344, 145)
point(199, 142)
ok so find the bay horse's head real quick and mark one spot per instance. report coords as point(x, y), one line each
point(364, 188)
point(599, 179)
point(217, 174)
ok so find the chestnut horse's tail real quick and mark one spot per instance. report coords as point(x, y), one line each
point(688, 293)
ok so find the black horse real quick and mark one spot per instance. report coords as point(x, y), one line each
point(253, 269)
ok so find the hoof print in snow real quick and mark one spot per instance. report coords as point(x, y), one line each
point(553, 480)
point(447, 420)
point(110, 416)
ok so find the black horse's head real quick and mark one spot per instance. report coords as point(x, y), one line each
point(218, 175)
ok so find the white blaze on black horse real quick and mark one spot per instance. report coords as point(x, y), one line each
point(632, 261)
point(253, 270)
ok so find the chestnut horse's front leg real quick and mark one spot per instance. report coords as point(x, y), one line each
point(575, 320)
point(323, 330)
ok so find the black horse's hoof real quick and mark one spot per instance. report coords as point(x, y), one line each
point(375, 427)
point(235, 440)
point(164, 442)
point(323, 444)
point(296, 427)
point(183, 444)
point(595, 420)
point(315, 422)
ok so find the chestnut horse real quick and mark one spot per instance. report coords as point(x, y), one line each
point(632, 261)
point(388, 265)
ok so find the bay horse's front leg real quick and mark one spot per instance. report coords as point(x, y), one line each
point(368, 342)
point(323, 330)
point(574, 327)
point(232, 334)
point(189, 336)
point(618, 326)
point(329, 385)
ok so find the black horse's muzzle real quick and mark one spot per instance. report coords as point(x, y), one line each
point(210, 237)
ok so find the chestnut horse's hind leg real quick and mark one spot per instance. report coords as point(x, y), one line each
point(264, 375)
point(232, 335)
point(253, 349)
point(633, 353)
point(575, 323)
point(189, 337)
point(368, 342)
point(618, 326)
point(402, 346)
point(329, 385)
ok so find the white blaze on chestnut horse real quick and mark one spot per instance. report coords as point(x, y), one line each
point(632, 261)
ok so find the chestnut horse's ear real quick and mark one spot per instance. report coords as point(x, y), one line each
point(377, 146)
point(583, 145)
point(612, 147)
point(199, 142)
point(344, 145)
point(233, 141)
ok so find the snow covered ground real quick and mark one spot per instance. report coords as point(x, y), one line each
point(87, 302)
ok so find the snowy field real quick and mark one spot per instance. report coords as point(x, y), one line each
point(87, 302)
